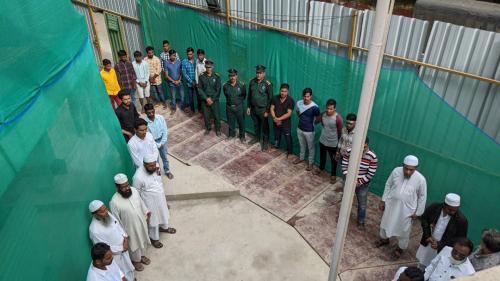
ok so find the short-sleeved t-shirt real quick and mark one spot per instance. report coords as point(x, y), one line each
point(173, 70)
point(306, 118)
point(281, 108)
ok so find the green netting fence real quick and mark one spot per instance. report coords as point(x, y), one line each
point(408, 117)
point(60, 141)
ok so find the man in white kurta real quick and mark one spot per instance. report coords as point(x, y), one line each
point(141, 143)
point(149, 183)
point(107, 229)
point(103, 266)
point(403, 201)
point(128, 207)
point(450, 263)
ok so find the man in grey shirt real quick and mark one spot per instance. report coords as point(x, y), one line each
point(331, 131)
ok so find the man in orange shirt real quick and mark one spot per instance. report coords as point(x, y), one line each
point(108, 75)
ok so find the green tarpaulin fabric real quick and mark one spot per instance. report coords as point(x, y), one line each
point(60, 141)
point(407, 118)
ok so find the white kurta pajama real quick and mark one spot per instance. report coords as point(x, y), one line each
point(425, 254)
point(403, 197)
point(150, 187)
point(139, 148)
point(441, 268)
point(132, 213)
point(113, 235)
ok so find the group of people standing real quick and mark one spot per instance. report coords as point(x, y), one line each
point(444, 253)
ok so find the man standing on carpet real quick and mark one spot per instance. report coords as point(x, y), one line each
point(308, 111)
point(155, 71)
point(157, 126)
point(128, 207)
point(281, 112)
point(403, 201)
point(209, 90)
point(150, 186)
point(126, 74)
point(236, 94)
point(260, 94)
point(107, 229)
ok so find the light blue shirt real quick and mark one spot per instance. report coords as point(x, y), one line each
point(141, 71)
point(158, 128)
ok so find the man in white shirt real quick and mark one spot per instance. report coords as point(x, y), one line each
point(107, 229)
point(141, 69)
point(149, 183)
point(451, 263)
point(103, 268)
point(403, 201)
point(141, 143)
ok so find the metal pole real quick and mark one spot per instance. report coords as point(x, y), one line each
point(96, 36)
point(228, 12)
point(353, 33)
point(375, 56)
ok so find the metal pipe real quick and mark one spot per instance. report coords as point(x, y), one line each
point(228, 12)
point(96, 36)
point(306, 36)
point(106, 10)
point(374, 63)
point(353, 33)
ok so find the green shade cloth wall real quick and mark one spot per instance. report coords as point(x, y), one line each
point(60, 141)
point(408, 118)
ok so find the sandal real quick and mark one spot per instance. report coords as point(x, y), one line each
point(169, 230)
point(145, 260)
point(156, 243)
point(397, 253)
point(138, 266)
point(381, 242)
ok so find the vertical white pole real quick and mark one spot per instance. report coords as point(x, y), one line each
point(374, 62)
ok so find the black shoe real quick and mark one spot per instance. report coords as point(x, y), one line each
point(217, 133)
point(229, 138)
point(361, 225)
point(207, 132)
point(253, 141)
point(264, 146)
point(243, 140)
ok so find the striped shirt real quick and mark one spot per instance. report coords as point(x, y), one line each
point(367, 168)
point(154, 68)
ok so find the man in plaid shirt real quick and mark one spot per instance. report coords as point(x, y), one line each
point(188, 72)
point(126, 74)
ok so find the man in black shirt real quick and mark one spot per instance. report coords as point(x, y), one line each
point(127, 114)
point(281, 112)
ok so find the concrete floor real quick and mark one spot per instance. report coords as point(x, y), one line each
point(231, 239)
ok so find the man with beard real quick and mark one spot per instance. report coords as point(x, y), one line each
point(141, 143)
point(107, 229)
point(103, 267)
point(403, 201)
point(128, 207)
point(148, 182)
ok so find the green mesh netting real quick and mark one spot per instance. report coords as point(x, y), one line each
point(60, 142)
point(408, 118)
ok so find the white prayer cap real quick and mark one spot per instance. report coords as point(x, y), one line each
point(150, 158)
point(121, 178)
point(411, 160)
point(452, 199)
point(95, 205)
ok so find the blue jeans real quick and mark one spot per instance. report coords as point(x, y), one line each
point(362, 197)
point(132, 95)
point(164, 157)
point(173, 91)
point(191, 97)
point(157, 93)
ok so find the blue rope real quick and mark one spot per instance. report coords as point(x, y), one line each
point(58, 76)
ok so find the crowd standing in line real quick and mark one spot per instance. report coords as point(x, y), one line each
point(139, 212)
